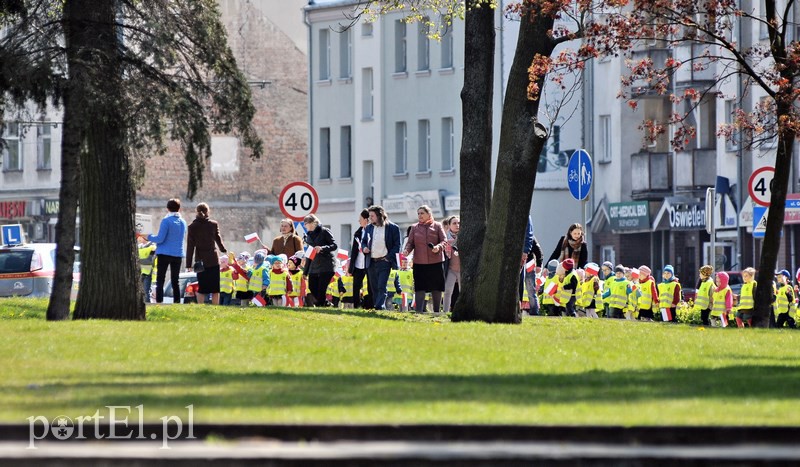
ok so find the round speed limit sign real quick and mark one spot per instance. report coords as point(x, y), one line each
point(760, 185)
point(297, 200)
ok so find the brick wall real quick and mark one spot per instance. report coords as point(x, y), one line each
point(244, 200)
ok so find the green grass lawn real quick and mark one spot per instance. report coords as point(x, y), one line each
point(277, 365)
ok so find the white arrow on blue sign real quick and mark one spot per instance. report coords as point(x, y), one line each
point(579, 174)
point(12, 234)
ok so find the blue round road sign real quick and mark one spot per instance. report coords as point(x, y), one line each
point(579, 174)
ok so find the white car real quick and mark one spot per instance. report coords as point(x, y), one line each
point(27, 270)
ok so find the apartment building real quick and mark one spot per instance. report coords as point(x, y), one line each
point(385, 120)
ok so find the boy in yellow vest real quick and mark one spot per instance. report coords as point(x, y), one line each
point(669, 295)
point(225, 281)
point(147, 256)
point(705, 289)
point(608, 278)
point(616, 295)
point(567, 288)
point(632, 310)
point(405, 277)
point(744, 311)
point(647, 295)
point(279, 282)
point(784, 300)
point(546, 300)
point(587, 298)
point(241, 281)
point(346, 290)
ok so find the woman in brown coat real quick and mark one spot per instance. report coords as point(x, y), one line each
point(427, 240)
point(288, 242)
point(201, 242)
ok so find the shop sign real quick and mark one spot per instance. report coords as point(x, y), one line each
point(687, 216)
point(452, 203)
point(51, 207)
point(629, 216)
point(12, 209)
point(394, 205)
point(416, 199)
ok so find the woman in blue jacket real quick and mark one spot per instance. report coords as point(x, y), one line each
point(169, 249)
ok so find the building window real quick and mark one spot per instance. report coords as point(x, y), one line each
point(448, 140)
point(423, 47)
point(399, 46)
point(12, 153)
point(401, 148)
point(768, 139)
point(346, 233)
point(44, 146)
point(345, 54)
point(324, 153)
point(447, 49)
point(347, 153)
point(732, 143)
point(324, 54)
point(424, 145)
point(605, 138)
point(366, 29)
point(367, 94)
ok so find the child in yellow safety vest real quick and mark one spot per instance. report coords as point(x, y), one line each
point(616, 295)
point(608, 277)
point(225, 280)
point(346, 290)
point(588, 298)
point(669, 295)
point(568, 287)
point(647, 294)
point(405, 277)
point(784, 301)
point(744, 311)
point(280, 284)
point(147, 256)
point(296, 296)
point(549, 289)
point(632, 309)
point(721, 301)
point(241, 283)
point(702, 299)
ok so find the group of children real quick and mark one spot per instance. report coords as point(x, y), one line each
point(632, 293)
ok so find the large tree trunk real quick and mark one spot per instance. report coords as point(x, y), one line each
point(58, 308)
point(772, 237)
point(110, 284)
point(521, 141)
point(476, 150)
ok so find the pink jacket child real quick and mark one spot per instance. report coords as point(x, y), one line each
point(722, 284)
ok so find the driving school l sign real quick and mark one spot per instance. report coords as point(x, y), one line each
point(297, 200)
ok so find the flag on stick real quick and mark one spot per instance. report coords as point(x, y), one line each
point(310, 253)
point(250, 238)
point(258, 300)
point(592, 269)
point(551, 289)
point(530, 266)
point(342, 254)
point(666, 314)
point(539, 281)
point(724, 318)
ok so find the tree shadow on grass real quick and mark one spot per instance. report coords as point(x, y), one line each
point(358, 314)
point(215, 390)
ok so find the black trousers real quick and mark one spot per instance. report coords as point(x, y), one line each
point(174, 265)
point(358, 282)
point(704, 314)
point(318, 286)
point(784, 318)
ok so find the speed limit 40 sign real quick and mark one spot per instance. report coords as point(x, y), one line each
point(297, 200)
point(760, 185)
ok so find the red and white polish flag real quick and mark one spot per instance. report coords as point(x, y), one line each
point(539, 281)
point(592, 269)
point(530, 266)
point(551, 289)
point(250, 238)
point(724, 318)
point(342, 254)
point(310, 252)
point(258, 300)
point(666, 314)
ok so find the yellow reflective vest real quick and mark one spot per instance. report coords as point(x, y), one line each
point(701, 301)
point(586, 294)
point(784, 304)
point(240, 284)
point(746, 299)
point(256, 283)
point(226, 281)
point(666, 293)
point(406, 280)
point(618, 298)
point(645, 297)
point(565, 295)
point(297, 283)
point(718, 306)
point(347, 283)
point(277, 283)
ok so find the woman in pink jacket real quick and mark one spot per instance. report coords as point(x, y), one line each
point(427, 241)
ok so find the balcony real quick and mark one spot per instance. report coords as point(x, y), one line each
point(696, 170)
point(698, 69)
point(651, 175)
point(659, 56)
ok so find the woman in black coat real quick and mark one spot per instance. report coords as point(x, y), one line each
point(572, 245)
point(320, 270)
point(357, 266)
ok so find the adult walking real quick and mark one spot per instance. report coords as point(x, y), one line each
point(169, 248)
point(320, 269)
point(383, 245)
point(427, 241)
point(201, 246)
point(357, 265)
point(288, 242)
point(572, 245)
point(453, 274)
